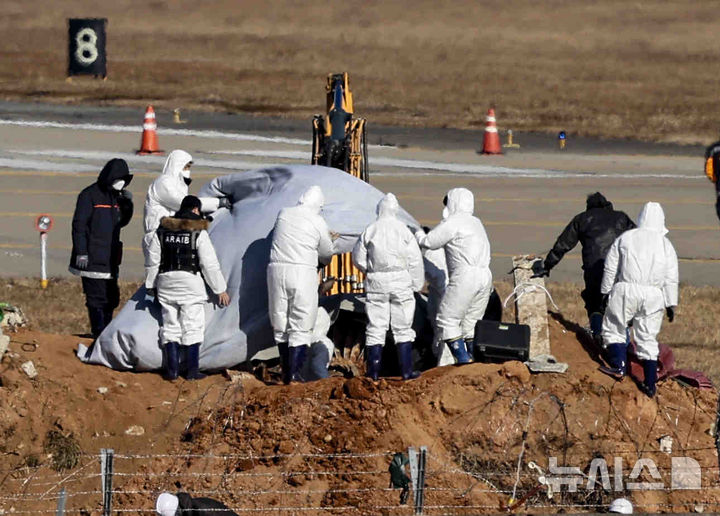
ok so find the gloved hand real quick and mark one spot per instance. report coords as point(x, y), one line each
point(81, 261)
point(126, 194)
point(225, 202)
point(670, 310)
point(151, 292)
point(604, 303)
point(334, 236)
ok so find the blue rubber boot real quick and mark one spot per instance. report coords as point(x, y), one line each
point(617, 361)
point(193, 363)
point(284, 361)
point(296, 358)
point(459, 351)
point(172, 360)
point(649, 385)
point(470, 348)
point(374, 361)
point(404, 352)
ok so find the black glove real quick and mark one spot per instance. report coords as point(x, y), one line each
point(126, 194)
point(670, 313)
point(225, 202)
point(604, 303)
point(151, 292)
point(539, 269)
point(81, 261)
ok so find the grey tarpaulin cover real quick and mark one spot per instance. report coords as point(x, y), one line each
point(242, 242)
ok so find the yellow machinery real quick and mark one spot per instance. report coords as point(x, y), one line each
point(339, 141)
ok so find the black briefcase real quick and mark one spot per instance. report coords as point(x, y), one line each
point(500, 342)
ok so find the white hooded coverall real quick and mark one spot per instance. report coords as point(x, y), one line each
point(641, 276)
point(388, 252)
point(182, 294)
point(301, 239)
point(467, 252)
point(167, 192)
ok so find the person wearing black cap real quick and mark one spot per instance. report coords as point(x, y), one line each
point(102, 209)
point(596, 229)
point(180, 260)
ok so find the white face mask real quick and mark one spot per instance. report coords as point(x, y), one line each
point(118, 185)
point(445, 213)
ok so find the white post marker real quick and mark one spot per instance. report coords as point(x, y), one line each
point(43, 224)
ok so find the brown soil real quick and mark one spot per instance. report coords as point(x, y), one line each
point(254, 445)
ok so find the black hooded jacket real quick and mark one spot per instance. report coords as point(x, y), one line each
point(596, 229)
point(100, 212)
point(189, 506)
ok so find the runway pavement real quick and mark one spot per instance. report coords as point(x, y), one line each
point(525, 198)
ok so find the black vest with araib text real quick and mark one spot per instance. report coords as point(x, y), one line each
point(178, 244)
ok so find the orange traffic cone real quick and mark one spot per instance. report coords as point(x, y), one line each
point(149, 141)
point(491, 139)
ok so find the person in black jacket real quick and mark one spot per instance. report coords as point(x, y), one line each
point(712, 170)
point(596, 229)
point(182, 504)
point(101, 210)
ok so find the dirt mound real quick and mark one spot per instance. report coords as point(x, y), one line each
point(266, 448)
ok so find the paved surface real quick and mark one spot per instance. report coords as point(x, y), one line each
point(525, 198)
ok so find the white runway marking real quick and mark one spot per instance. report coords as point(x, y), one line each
point(35, 164)
point(160, 131)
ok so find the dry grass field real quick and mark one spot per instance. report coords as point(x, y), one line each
point(644, 70)
point(694, 335)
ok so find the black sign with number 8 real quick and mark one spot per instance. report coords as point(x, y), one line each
point(86, 47)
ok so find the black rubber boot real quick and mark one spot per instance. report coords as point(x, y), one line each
point(297, 356)
point(97, 321)
point(404, 352)
point(284, 361)
point(172, 360)
point(617, 361)
point(374, 361)
point(649, 385)
point(459, 351)
point(193, 362)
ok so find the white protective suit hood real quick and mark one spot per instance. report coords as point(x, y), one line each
point(175, 163)
point(313, 199)
point(652, 217)
point(460, 200)
point(166, 504)
point(388, 206)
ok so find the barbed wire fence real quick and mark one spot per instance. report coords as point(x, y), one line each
point(110, 482)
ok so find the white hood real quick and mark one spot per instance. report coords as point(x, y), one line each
point(388, 206)
point(652, 217)
point(313, 199)
point(166, 504)
point(460, 200)
point(175, 163)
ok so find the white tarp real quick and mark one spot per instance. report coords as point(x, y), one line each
point(242, 242)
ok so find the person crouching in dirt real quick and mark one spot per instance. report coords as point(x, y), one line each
point(182, 504)
point(596, 229)
point(178, 253)
point(102, 209)
point(389, 254)
point(641, 281)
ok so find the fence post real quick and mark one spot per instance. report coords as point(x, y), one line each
point(106, 471)
point(413, 461)
point(61, 503)
point(420, 488)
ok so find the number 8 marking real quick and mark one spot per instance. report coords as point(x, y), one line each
point(86, 52)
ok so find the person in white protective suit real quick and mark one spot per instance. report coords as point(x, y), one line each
point(179, 256)
point(389, 254)
point(437, 279)
point(167, 192)
point(301, 241)
point(641, 282)
point(467, 252)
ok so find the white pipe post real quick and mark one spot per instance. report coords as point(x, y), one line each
point(43, 260)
